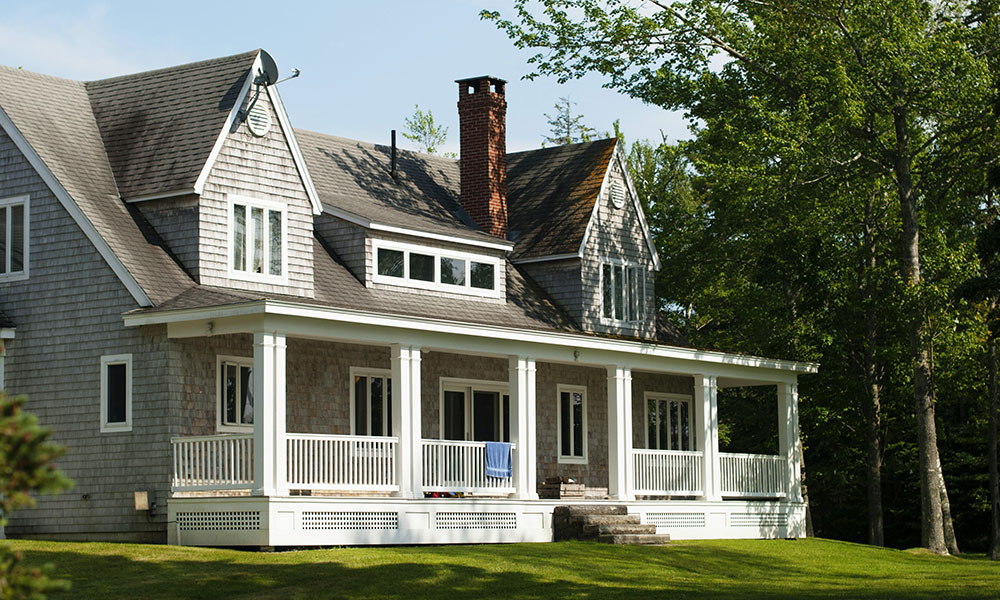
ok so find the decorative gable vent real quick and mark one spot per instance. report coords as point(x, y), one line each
point(617, 194)
point(259, 120)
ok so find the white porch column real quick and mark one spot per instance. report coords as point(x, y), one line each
point(789, 442)
point(406, 422)
point(707, 424)
point(620, 476)
point(522, 421)
point(269, 415)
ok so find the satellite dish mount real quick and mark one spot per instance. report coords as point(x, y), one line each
point(266, 75)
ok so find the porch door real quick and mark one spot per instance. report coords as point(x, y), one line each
point(472, 413)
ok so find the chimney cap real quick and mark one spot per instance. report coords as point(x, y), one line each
point(480, 78)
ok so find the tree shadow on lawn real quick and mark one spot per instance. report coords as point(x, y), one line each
point(563, 570)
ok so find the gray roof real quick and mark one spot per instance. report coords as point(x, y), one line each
point(354, 176)
point(55, 117)
point(551, 194)
point(335, 286)
point(159, 127)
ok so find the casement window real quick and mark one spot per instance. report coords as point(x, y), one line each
point(116, 393)
point(572, 424)
point(669, 424)
point(371, 402)
point(235, 394)
point(257, 241)
point(623, 291)
point(14, 238)
point(475, 410)
point(434, 269)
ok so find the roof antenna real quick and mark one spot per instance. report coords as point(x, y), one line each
point(266, 75)
point(392, 155)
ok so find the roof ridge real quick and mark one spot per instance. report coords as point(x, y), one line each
point(373, 144)
point(151, 72)
point(565, 146)
point(38, 75)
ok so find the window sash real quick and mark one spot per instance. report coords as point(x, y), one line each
point(623, 287)
point(258, 240)
point(572, 424)
point(429, 268)
point(13, 237)
point(236, 394)
point(372, 405)
point(668, 424)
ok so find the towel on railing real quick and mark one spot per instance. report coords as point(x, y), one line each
point(498, 459)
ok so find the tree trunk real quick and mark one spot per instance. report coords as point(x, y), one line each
point(994, 479)
point(872, 409)
point(949, 526)
point(931, 526)
point(873, 465)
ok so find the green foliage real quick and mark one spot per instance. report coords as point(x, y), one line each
point(26, 467)
point(421, 128)
point(566, 128)
point(779, 224)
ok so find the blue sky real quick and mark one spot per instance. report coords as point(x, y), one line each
point(364, 63)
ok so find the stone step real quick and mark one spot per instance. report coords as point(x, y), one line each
point(588, 520)
point(592, 531)
point(571, 510)
point(653, 539)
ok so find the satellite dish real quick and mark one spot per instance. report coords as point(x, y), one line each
point(268, 70)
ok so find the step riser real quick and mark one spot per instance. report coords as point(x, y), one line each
point(636, 540)
point(594, 531)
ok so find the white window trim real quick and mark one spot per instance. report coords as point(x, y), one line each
point(572, 460)
point(106, 361)
point(641, 308)
point(438, 254)
point(367, 372)
point(468, 386)
point(23, 273)
point(282, 279)
point(242, 361)
point(647, 396)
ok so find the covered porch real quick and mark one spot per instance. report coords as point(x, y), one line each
point(577, 407)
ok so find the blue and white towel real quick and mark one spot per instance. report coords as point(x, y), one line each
point(498, 459)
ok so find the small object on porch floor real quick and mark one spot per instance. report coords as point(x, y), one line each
point(555, 488)
point(606, 523)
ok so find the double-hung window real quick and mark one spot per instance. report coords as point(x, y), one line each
point(371, 402)
point(14, 237)
point(235, 394)
point(572, 426)
point(623, 291)
point(430, 268)
point(116, 393)
point(669, 423)
point(257, 241)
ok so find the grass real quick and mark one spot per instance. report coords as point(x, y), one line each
point(810, 568)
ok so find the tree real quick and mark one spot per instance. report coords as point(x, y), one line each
point(890, 94)
point(26, 467)
point(421, 128)
point(565, 127)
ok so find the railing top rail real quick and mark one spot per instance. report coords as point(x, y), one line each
point(667, 452)
point(756, 456)
point(354, 438)
point(210, 438)
point(461, 443)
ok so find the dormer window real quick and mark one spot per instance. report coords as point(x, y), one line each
point(257, 240)
point(623, 291)
point(429, 268)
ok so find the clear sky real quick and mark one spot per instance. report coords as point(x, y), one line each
point(364, 63)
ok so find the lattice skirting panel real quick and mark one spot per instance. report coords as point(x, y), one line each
point(247, 520)
point(349, 520)
point(676, 519)
point(745, 519)
point(475, 520)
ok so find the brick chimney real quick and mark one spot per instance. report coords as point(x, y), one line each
point(482, 123)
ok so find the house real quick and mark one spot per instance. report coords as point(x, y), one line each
point(248, 334)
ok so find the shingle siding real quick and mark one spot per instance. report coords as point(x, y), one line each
point(68, 315)
point(563, 281)
point(348, 240)
point(259, 168)
point(176, 222)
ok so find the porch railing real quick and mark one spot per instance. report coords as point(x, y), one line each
point(341, 462)
point(458, 466)
point(666, 472)
point(213, 462)
point(753, 475)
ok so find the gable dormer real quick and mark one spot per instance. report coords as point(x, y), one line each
point(205, 154)
point(581, 235)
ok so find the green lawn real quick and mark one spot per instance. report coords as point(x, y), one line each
point(810, 568)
